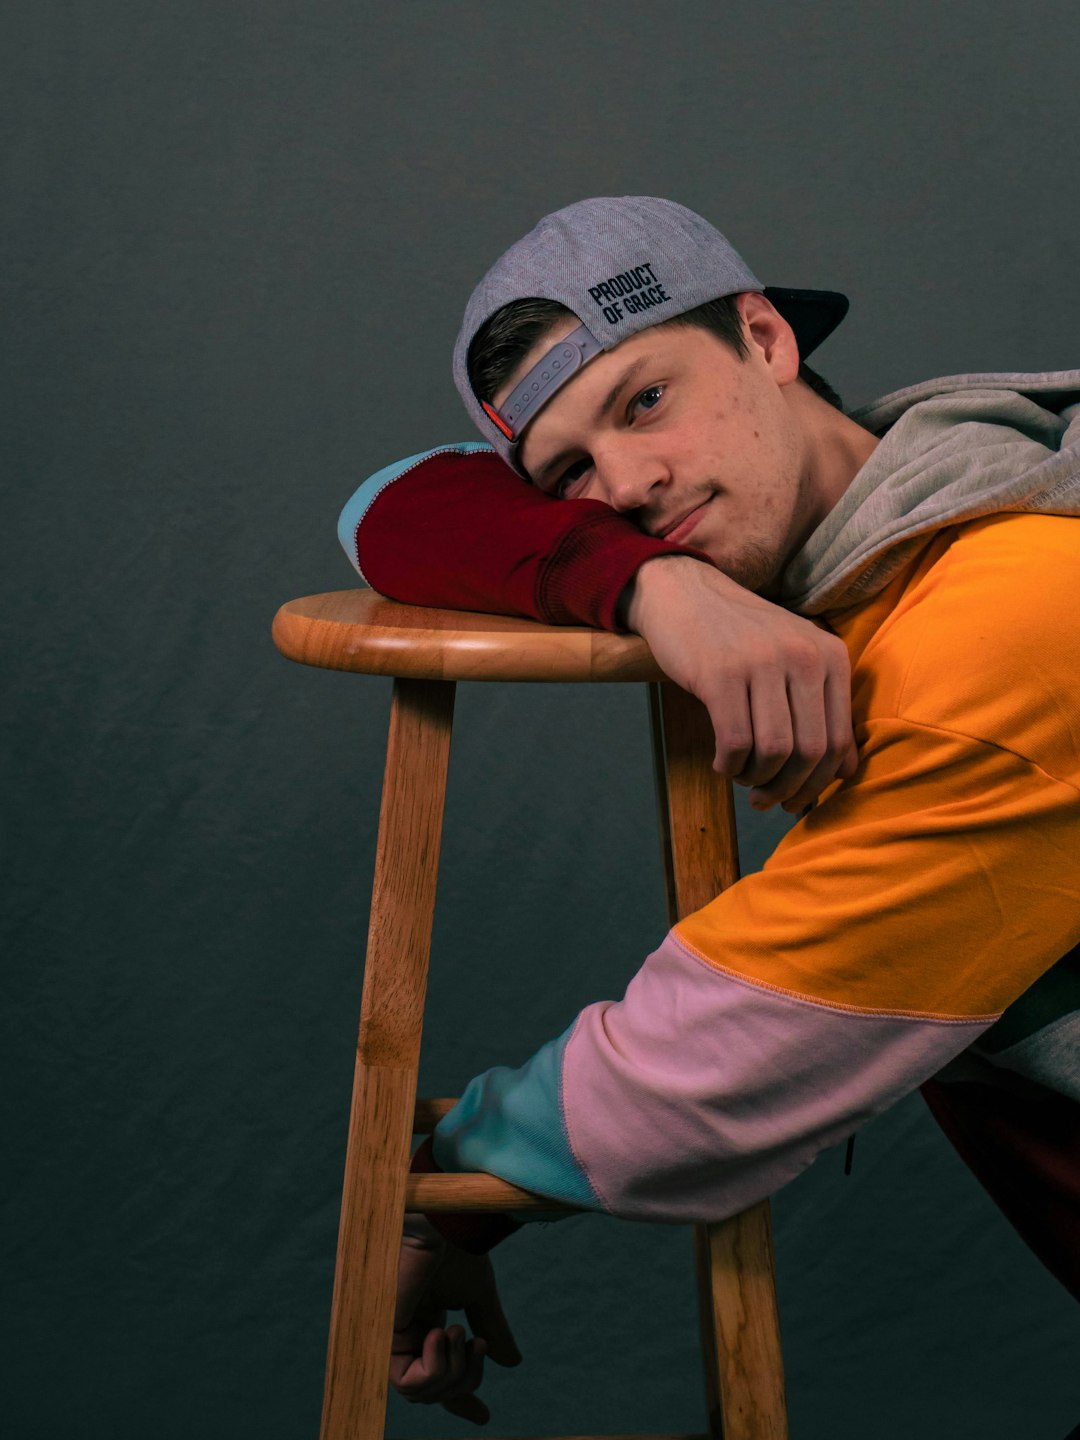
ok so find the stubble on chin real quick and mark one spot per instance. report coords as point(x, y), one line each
point(753, 567)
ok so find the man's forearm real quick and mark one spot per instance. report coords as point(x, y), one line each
point(457, 528)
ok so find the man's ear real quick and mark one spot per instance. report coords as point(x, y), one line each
point(769, 335)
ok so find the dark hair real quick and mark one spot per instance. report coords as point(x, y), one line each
point(506, 337)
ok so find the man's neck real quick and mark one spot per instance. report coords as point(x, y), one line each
point(837, 449)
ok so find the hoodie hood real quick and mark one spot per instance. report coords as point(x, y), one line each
point(950, 450)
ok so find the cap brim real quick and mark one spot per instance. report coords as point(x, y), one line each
point(812, 314)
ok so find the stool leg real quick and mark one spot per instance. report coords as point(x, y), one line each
point(387, 1059)
point(740, 1329)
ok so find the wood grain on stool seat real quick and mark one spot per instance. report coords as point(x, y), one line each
point(360, 630)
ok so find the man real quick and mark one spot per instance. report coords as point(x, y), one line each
point(686, 470)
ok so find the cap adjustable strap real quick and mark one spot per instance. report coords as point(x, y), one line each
point(537, 387)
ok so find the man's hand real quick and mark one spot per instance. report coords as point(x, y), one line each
point(430, 1364)
point(777, 687)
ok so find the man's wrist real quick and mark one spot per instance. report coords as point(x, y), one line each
point(418, 1230)
point(628, 611)
point(651, 580)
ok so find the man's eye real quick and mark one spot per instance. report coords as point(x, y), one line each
point(567, 478)
point(648, 399)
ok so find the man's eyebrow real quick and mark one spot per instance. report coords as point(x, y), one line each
point(604, 410)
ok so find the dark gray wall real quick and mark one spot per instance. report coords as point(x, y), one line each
point(240, 237)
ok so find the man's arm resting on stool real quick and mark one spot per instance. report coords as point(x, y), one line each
point(774, 1022)
point(456, 527)
point(891, 927)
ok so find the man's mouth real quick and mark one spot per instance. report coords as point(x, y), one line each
point(679, 529)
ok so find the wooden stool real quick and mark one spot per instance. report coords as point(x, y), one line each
point(427, 651)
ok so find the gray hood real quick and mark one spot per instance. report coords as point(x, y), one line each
point(951, 450)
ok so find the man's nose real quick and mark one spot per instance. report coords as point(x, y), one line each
point(628, 481)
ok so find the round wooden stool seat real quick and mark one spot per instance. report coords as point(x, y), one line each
point(359, 630)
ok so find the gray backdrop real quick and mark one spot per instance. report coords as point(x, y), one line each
point(240, 237)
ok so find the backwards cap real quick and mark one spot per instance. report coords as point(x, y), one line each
point(620, 264)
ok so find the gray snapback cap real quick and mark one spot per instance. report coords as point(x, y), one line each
point(620, 264)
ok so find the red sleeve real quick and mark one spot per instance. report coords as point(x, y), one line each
point(462, 530)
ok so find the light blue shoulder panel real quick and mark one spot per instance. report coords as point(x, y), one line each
point(509, 1123)
point(357, 504)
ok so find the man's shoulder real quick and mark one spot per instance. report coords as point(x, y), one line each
point(1016, 567)
point(1054, 389)
point(986, 638)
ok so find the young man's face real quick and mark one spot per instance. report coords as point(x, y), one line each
point(688, 440)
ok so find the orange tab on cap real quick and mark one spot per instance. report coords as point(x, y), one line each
point(496, 419)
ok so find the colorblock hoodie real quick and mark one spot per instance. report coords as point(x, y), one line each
point(921, 921)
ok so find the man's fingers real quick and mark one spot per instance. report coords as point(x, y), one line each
point(438, 1368)
point(821, 778)
point(823, 743)
point(411, 1377)
point(838, 717)
point(823, 747)
point(472, 1375)
point(469, 1407)
point(773, 731)
point(487, 1319)
point(430, 1364)
point(501, 1345)
point(446, 1372)
point(728, 705)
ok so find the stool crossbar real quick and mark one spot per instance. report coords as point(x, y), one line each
point(428, 651)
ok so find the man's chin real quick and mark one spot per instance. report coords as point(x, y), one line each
point(753, 568)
